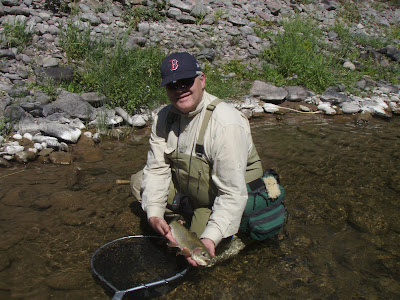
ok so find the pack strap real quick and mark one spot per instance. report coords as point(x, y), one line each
point(200, 141)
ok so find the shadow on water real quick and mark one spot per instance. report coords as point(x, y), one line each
point(342, 240)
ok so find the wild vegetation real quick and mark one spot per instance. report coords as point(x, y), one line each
point(300, 55)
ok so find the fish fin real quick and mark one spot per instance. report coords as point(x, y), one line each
point(185, 251)
point(172, 244)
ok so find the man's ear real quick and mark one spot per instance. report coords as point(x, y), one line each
point(203, 81)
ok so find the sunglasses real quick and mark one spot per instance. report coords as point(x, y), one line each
point(182, 83)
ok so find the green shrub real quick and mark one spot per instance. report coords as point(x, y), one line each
point(349, 12)
point(137, 14)
point(394, 32)
point(298, 57)
point(16, 34)
point(3, 127)
point(129, 79)
point(78, 43)
point(225, 85)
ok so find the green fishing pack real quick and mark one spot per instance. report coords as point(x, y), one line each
point(263, 216)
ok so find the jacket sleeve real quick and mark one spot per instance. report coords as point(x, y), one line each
point(230, 153)
point(157, 172)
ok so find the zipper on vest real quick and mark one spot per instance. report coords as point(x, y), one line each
point(198, 181)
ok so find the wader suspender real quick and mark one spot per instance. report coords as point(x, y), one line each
point(200, 141)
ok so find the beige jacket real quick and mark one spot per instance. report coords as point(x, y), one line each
point(227, 146)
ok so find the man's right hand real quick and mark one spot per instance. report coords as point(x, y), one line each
point(162, 227)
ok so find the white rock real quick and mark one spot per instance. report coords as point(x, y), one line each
point(77, 123)
point(96, 137)
point(138, 121)
point(326, 108)
point(43, 138)
point(124, 115)
point(350, 107)
point(12, 143)
point(34, 150)
point(11, 150)
point(88, 134)
point(17, 136)
point(270, 108)
point(258, 109)
point(28, 136)
point(304, 108)
point(38, 146)
point(115, 120)
point(349, 65)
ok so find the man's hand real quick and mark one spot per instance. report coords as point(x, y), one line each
point(162, 227)
point(209, 245)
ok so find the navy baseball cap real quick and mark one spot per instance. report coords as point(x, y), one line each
point(178, 66)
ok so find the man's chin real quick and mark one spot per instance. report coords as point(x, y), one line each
point(183, 106)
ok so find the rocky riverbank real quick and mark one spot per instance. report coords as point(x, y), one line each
point(218, 31)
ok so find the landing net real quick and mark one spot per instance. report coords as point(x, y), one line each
point(142, 266)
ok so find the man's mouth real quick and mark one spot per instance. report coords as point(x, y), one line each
point(183, 96)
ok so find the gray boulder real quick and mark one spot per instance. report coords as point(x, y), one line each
point(350, 107)
point(334, 97)
point(268, 92)
point(61, 131)
point(75, 106)
point(27, 125)
point(296, 93)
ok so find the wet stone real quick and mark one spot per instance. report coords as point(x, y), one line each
point(46, 152)
point(61, 158)
point(25, 156)
point(44, 160)
point(8, 240)
point(19, 198)
point(367, 220)
point(4, 262)
point(73, 219)
point(62, 280)
point(4, 163)
point(75, 179)
point(42, 203)
point(90, 155)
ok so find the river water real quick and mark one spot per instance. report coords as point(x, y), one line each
point(342, 239)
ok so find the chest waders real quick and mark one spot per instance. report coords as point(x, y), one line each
point(191, 175)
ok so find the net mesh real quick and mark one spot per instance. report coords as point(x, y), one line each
point(133, 261)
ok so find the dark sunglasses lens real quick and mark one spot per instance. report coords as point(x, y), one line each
point(183, 83)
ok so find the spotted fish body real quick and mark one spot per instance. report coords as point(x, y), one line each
point(189, 244)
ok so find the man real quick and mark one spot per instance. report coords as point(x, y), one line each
point(211, 175)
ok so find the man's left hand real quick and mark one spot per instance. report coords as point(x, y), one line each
point(209, 245)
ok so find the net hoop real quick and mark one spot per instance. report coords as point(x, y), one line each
point(118, 294)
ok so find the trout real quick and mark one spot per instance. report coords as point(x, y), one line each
point(189, 244)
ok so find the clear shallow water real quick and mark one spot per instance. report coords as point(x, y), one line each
point(342, 240)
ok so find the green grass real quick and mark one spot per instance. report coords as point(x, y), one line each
point(78, 43)
point(129, 79)
point(137, 14)
point(16, 34)
point(222, 85)
point(298, 56)
point(3, 127)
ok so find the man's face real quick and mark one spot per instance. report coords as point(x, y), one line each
point(186, 94)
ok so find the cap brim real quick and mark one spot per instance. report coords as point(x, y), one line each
point(178, 76)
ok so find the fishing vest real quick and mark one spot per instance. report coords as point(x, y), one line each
point(191, 174)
